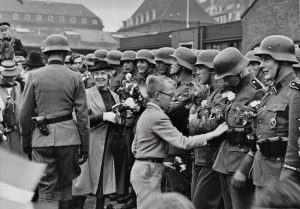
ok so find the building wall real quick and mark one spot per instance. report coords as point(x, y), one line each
point(188, 37)
point(269, 17)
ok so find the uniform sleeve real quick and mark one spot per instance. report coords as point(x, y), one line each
point(27, 108)
point(81, 111)
point(165, 130)
point(247, 163)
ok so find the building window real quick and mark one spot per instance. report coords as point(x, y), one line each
point(137, 20)
point(83, 20)
point(73, 20)
point(95, 22)
point(15, 16)
point(142, 18)
point(39, 18)
point(27, 17)
point(50, 18)
point(147, 16)
point(61, 19)
point(153, 14)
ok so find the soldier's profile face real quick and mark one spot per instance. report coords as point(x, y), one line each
point(174, 67)
point(269, 66)
point(161, 67)
point(202, 74)
point(142, 66)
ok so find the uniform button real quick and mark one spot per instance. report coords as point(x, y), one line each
point(275, 109)
point(271, 93)
point(260, 121)
point(259, 135)
point(242, 150)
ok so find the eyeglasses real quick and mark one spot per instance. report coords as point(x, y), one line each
point(170, 95)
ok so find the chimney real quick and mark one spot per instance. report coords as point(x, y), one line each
point(124, 23)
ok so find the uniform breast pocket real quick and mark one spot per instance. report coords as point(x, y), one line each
point(277, 116)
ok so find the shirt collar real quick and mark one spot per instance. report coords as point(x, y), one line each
point(57, 62)
point(154, 105)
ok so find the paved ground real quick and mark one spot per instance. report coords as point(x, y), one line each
point(91, 203)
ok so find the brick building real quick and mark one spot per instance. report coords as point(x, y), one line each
point(33, 21)
point(158, 16)
point(269, 17)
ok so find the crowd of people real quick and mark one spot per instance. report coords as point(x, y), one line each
point(220, 128)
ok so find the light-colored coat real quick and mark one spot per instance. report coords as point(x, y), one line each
point(14, 138)
point(88, 180)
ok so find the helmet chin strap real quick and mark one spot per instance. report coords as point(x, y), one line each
point(278, 70)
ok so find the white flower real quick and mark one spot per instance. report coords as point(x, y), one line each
point(204, 103)
point(128, 76)
point(127, 85)
point(182, 168)
point(178, 159)
point(130, 102)
point(135, 85)
point(254, 103)
point(229, 95)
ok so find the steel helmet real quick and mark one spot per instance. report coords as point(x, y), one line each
point(164, 55)
point(90, 59)
point(128, 55)
point(56, 42)
point(185, 57)
point(229, 61)
point(145, 54)
point(253, 58)
point(101, 54)
point(206, 58)
point(114, 57)
point(297, 52)
point(280, 48)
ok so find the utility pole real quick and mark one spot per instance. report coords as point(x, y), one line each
point(188, 13)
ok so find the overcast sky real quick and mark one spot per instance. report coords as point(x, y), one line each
point(111, 12)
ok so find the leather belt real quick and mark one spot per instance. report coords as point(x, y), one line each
point(59, 119)
point(151, 159)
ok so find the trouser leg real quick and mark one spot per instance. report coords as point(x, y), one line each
point(208, 193)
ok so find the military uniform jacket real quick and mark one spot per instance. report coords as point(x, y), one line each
point(179, 111)
point(272, 122)
point(207, 119)
point(54, 91)
point(229, 156)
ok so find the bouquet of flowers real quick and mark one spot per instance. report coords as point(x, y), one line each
point(250, 111)
point(128, 89)
point(178, 164)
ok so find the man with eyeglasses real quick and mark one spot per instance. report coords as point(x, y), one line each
point(154, 131)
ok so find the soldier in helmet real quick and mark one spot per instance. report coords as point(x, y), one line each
point(182, 67)
point(297, 66)
point(163, 60)
point(50, 96)
point(253, 66)
point(100, 55)
point(277, 123)
point(204, 179)
point(113, 58)
point(240, 89)
point(145, 64)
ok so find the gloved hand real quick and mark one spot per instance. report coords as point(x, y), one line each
point(109, 116)
point(83, 156)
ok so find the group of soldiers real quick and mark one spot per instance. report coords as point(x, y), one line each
point(256, 94)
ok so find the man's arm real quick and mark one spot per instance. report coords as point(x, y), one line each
point(164, 129)
point(27, 108)
point(81, 111)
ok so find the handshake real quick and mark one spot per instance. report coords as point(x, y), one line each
point(112, 117)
